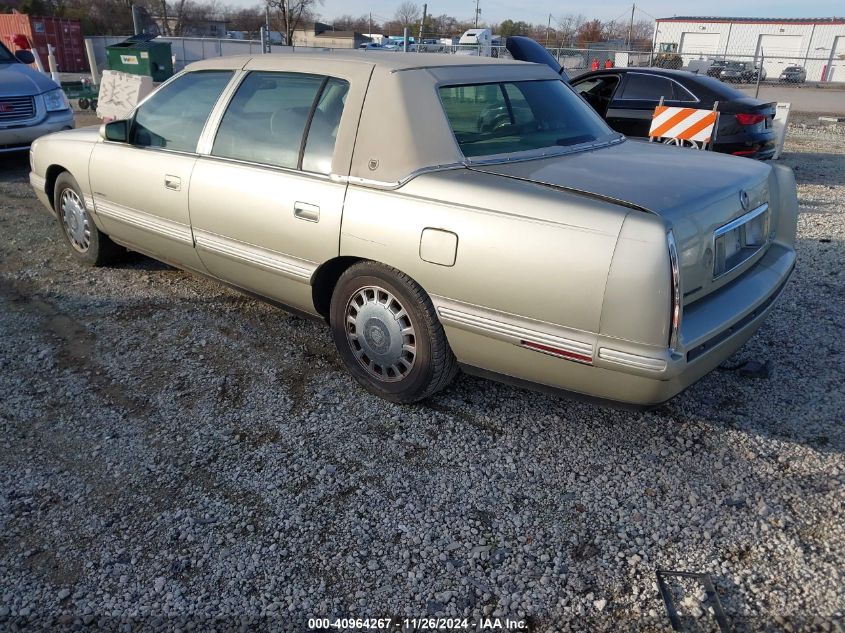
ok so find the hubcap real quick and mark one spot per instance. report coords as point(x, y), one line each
point(380, 334)
point(75, 220)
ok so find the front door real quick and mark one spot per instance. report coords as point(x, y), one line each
point(141, 187)
point(264, 210)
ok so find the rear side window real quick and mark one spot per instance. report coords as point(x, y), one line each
point(647, 87)
point(173, 118)
point(682, 94)
point(271, 113)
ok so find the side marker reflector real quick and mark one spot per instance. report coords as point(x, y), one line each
point(554, 351)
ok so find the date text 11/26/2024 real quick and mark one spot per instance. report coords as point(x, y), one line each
point(443, 625)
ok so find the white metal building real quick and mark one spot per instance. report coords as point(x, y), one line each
point(817, 44)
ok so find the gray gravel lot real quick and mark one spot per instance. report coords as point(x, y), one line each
point(175, 454)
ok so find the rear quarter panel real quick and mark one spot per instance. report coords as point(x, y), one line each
point(522, 249)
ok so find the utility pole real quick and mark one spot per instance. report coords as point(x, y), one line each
point(288, 30)
point(371, 24)
point(425, 11)
point(631, 26)
point(265, 44)
point(477, 12)
point(548, 28)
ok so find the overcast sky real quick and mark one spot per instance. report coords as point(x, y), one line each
point(537, 11)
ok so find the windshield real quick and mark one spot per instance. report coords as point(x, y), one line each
point(6, 55)
point(735, 65)
point(518, 116)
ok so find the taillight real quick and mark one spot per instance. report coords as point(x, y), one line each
point(676, 290)
point(750, 119)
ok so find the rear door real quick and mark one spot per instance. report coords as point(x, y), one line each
point(267, 192)
point(634, 102)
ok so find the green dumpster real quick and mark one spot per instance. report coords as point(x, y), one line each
point(141, 55)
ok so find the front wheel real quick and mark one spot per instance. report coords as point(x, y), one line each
point(387, 333)
point(87, 243)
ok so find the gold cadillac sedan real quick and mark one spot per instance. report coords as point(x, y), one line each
point(438, 212)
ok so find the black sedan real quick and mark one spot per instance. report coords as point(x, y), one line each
point(627, 97)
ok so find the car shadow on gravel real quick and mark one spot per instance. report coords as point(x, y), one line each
point(13, 166)
point(816, 168)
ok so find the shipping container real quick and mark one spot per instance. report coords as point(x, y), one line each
point(63, 34)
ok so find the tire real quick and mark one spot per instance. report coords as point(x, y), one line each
point(387, 332)
point(88, 245)
point(83, 103)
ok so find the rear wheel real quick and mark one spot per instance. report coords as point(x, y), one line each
point(88, 244)
point(388, 335)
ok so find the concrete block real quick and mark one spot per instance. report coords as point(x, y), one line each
point(120, 93)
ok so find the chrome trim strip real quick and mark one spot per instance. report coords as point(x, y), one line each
point(37, 182)
point(510, 327)
point(298, 269)
point(88, 201)
point(382, 184)
point(677, 303)
point(154, 224)
point(291, 171)
point(737, 222)
point(629, 73)
point(631, 360)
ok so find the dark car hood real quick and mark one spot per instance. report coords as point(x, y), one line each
point(18, 80)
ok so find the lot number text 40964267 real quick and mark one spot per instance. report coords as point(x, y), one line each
point(417, 624)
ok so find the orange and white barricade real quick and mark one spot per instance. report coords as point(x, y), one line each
point(688, 127)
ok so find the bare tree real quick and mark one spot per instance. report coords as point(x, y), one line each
point(407, 14)
point(568, 26)
point(291, 14)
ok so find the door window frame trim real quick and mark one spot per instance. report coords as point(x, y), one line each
point(669, 79)
point(209, 133)
point(131, 118)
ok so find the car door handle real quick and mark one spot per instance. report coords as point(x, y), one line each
point(172, 182)
point(305, 211)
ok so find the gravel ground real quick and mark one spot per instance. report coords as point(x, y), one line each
point(175, 454)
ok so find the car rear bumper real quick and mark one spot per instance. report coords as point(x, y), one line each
point(759, 145)
point(15, 138)
point(712, 329)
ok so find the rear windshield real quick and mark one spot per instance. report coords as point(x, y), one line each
point(518, 116)
point(718, 88)
point(6, 55)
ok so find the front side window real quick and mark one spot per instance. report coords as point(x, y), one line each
point(173, 118)
point(519, 116)
point(272, 112)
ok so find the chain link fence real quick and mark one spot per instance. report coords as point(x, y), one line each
point(767, 65)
